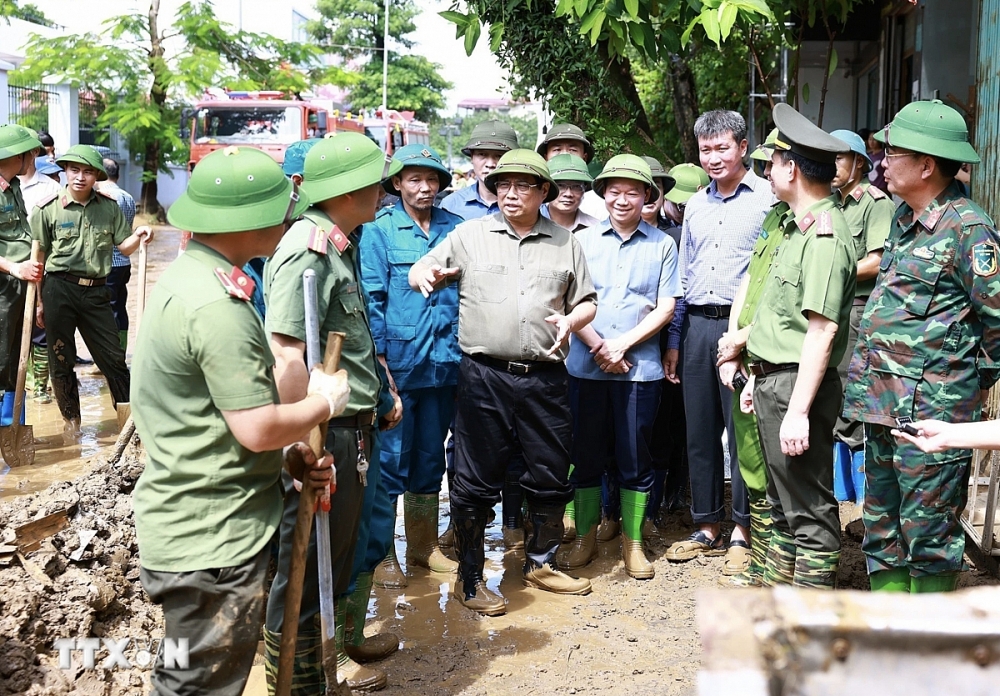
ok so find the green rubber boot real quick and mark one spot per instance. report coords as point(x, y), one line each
point(583, 549)
point(633, 515)
point(358, 677)
point(359, 647)
point(945, 582)
point(816, 569)
point(123, 340)
point(307, 676)
point(895, 580)
point(420, 519)
point(760, 540)
point(780, 566)
point(40, 374)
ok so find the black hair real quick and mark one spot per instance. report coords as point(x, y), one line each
point(865, 133)
point(813, 171)
point(111, 167)
point(948, 168)
point(46, 140)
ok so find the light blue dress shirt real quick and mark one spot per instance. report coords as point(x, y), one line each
point(467, 204)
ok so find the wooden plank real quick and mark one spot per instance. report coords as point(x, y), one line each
point(30, 536)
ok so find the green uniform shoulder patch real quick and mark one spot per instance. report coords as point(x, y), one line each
point(45, 201)
point(984, 259)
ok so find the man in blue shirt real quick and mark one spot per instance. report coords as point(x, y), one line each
point(615, 365)
point(416, 340)
point(489, 140)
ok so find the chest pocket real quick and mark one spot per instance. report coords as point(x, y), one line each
point(490, 282)
point(550, 289)
point(102, 239)
point(915, 284)
point(66, 231)
point(353, 324)
point(784, 293)
point(10, 223)
point(400, 261)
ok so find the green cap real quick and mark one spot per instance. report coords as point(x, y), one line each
point(491, 135)
point(343, 162)
point(86, 155)
point(626, 167)
point(764, 151)
point(569, 168)
point(798, 134)
point(418, 155)
point(565, 131)
point(665, 182)
point(236, 189)
point(522, 161)
point(16, 140)
point(690, 179)
point(931, 128)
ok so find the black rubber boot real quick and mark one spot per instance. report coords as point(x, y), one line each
point(540, 546)
point(470, 536)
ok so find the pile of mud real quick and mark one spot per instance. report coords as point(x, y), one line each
point(82, 581)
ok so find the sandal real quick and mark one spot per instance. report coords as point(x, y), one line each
point(698, 544)
point(737, 557)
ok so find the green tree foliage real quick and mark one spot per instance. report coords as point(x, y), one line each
point(26, 11)
point(354, 30)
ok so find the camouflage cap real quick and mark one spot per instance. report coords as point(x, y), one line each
point(85, 155)
point(626, 167)
point(565, 131)
point(764, 151)
point(523, 161)
point(665, 182)
point(236, 189)
point(569, 168)
point(418, 155)
point(930, 128)
point(690, 179)
point(16, 140)
point(344, 162)
point(491, 135)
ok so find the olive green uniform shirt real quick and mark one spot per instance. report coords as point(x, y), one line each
point(77, 238)
point(760, 261)
point(342, 306)
point(814, 270)
point(203, 500)
point(509, 285)
point(15, 234)
point(870, 218)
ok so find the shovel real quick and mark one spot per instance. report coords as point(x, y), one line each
point(303, 523)
point(17, 442)
point(124, 409)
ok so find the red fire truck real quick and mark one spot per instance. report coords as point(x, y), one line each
point(393, 129)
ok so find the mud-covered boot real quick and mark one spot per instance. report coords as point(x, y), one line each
point(760, 539)
point(358, 677)
point(633, 514)
point(569, 517)
point(780, 566)
point(540, 547)
point(892, 580)
point(583, 549)
point(513, 515)
point(388, 574)
point(359, 647)
point(816, 569)
point(943, 582)
point(608, 530)
point(307, 673)
point(420, 518)
point(470, 588)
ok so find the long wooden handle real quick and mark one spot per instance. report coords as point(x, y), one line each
point(331, 363)
point(140, 299)
point(29, 321)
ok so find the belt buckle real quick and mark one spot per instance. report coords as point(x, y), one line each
point(85, 282)
point(518, 368)
point(711, 311)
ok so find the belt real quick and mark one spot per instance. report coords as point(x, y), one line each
point(359, 420)
point(860, 301)
point(77, 280)
point(515, 367)
point(711, 311)
point(762, 369)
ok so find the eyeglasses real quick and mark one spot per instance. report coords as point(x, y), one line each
point(899, 154)
point(573, 188)
point(522, 187)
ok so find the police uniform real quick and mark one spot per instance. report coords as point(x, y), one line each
point(206, 507)
point(929, 342)
point(814, 270)
point(77, 239)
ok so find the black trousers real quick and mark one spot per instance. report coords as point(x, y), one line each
point(69, 307)
point(118, 285)
point(218, 611)
point(492, 406)
point(12, 293)
point(708, 408)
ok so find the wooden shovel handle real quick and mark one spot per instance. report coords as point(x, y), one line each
point(29, 321)
point(331, 363)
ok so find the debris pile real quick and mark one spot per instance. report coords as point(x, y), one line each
point(69, 568)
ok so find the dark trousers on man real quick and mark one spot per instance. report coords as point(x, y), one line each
point(11, 324)
point(708, 408)
point(219, 612)
point(69, 307)
point(118, 286)
point(669, 450)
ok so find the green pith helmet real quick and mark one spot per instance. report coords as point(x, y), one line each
point(931, 128)
point(626, 167)
point(344, 162)
point(491, 135)
point(522, 161)
point(417, 155)
point(16, 140)
point(764, 151)
point(236, 189)
point(566, 131)
point(690, 179)
point(569, 168)
point(85, 155)
point(664, 181)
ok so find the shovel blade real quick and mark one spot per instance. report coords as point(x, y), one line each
point(17, 442)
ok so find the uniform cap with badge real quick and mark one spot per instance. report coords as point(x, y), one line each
point(87, 156)
point(854, 141)
point(236, 189)
point(689, 178)
point(16, 140)
point(663, 180)
point(930, 128)
point(491, 135)
point(344, 162)
point(763, 151)
point(569, 168)
point(799, 135)
point(417, 155)
point(566, 131)
point(523, 161)
point(626, 167)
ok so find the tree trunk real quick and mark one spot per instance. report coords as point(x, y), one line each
point(148, 203)
point(685, 102)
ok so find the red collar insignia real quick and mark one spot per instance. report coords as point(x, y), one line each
point(237, 283)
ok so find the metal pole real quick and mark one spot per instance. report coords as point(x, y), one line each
point(449, 145)
point(385, 58)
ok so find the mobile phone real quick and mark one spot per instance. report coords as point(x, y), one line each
point(739, 382)
point(905, 424)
